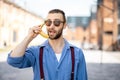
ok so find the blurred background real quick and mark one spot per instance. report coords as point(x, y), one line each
point(93, 25)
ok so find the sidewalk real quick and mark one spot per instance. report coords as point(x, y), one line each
point(101, 65)
point(97, 56)
point(3, 56)
point(91, 56)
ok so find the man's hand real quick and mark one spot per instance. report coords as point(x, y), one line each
point(34, 31)
point(19, 50)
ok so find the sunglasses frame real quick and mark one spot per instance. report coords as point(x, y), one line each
point(56, 22)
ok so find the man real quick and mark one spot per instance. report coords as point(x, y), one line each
point(57, 63)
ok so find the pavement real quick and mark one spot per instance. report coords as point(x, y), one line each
point(101, 65)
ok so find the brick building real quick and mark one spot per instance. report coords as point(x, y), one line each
point(78, 29)
point(14, 23)
point(99, 31)
point(103, 30)
point(107, 19)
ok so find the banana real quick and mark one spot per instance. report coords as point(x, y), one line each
point(43, 34)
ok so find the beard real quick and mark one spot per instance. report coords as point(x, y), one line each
point(57, 35)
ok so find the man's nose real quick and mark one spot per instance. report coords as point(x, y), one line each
point(52, 25)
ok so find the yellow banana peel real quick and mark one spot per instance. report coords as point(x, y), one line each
point(43, 34)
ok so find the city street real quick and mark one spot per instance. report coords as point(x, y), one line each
point(87, 24)
point(101, 65)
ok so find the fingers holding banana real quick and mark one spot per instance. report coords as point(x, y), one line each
point(43, 34)
point(38, 30)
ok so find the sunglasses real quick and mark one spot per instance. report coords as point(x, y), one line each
point(55, 22)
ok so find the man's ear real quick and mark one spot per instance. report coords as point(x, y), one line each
point(65, 24)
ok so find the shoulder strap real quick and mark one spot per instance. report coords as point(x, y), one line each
point(73, 62)
point(41, 63)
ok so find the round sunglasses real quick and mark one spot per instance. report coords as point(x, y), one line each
point(55, 22)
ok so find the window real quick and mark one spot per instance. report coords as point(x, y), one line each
point(14, 36)
point(119, 9)
point(118, 23)
point(119, 34)
point(99, 2)
point(82, 21)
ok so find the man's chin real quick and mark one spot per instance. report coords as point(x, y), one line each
point(51, 36)
point(54, 38)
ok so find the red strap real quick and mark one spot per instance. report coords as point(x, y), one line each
point(41, 63)
point(73, 62)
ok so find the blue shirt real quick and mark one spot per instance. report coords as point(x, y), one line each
point(53, 70)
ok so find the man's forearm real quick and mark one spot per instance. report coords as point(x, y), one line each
point(19, 50)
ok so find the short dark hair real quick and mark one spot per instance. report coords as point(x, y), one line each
point(58, 11)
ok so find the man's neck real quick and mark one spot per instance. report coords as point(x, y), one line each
point(57, 45)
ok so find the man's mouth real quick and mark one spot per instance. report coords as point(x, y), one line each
point(51, 32)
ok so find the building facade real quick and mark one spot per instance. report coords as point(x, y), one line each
point(14, 23)
point(107, 18)
point(99, 31)
point(103, 31)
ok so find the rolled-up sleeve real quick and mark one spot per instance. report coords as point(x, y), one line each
point(24, 61)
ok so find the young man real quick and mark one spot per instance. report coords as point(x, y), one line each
point(58, 64)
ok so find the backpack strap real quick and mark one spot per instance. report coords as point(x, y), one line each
point(73, 62)
point(41, 63)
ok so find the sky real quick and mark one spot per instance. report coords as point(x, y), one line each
point(70, 7)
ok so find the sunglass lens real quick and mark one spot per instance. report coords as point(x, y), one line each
point(56, 22)
point(48, 22)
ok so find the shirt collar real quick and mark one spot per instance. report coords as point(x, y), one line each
point(46, 44)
